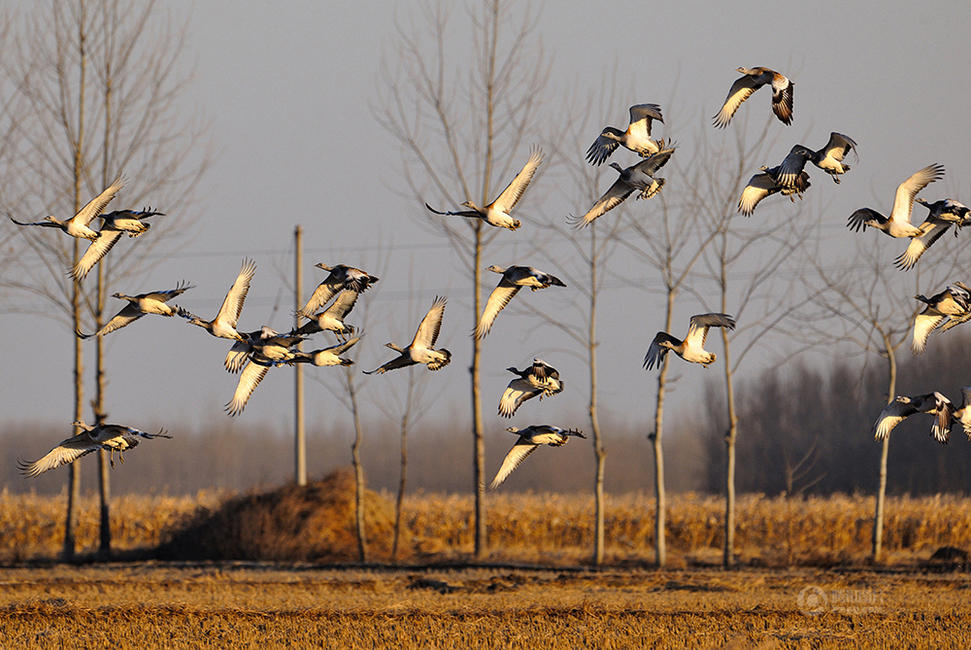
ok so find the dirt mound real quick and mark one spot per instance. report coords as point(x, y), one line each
point(292, 523)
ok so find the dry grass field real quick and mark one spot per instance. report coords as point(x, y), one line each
point(803, 582)
point(149, 605)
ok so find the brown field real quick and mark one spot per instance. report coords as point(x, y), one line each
point(804, 580)
point(149, 605)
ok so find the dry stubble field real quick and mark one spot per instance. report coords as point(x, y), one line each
point(271, 605)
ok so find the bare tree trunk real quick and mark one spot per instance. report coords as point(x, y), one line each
point(478, 441)
point(358, 470)
point(599, 453)
point(728, 554)
point(104, 485)
point(884, 451)
point(402, 478)
point(74, 472)
point(660, 494)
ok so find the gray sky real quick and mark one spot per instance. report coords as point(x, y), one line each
point(288, 88)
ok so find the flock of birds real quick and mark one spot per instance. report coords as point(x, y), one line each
point(254, 353)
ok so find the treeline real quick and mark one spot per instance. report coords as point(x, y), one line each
point(809, 430)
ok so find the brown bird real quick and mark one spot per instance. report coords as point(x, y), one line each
point(529, 439)
point(765, 184)
point(513, 279)
point(637, 137)
point(340, 277)
point(421, 349)
point(110, 437)
point(540, 379)
point(902, 407)
point(751, 80)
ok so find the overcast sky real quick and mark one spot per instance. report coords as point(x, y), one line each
point(289, 89)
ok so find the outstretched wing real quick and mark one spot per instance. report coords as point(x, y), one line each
point(66, 452)
point(96, 250)
point(924, 324)
point(838, 146)
point(741, 90)
point(906, 260)
point(517, 392)
point(128, 314)
point(652, 163)
point(321, 295)
point(613, 197)
point(858, 219)
point(892, 414)
point(344, 304)
point(514, 191)
point(782, 98)
point(237, 356)
point(400, 361)
point(759, 187)
point(792, 165)
point(655, 353)
point(233, 302)
point(249, 379)
point(603, 146)
point(97, 205)
point(512, 460)
point(903, 201)
point(700, 324)
point(640, 119)
point(430, 325)
point(498, 299)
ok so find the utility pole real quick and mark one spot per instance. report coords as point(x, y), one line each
point(300, 442)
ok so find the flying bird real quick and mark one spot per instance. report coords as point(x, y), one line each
point(266, 350)
point(765, 184)
point(513, 279)
point(902, 407)
point(154, 302)
point(224, 324)
point(497, 212)
point(530, 438)
point(540, 379)
point(636, 177)
point(898, 224)
point(963, 414)
point(829, 159)
point(692, 348)
point(637, 137)
point(339, 277)
point(941, 216)
point(947, 210)
point(110, 437)
point(953, 304)
point(327, 356)
point(751, 80)
point(332, 318)
point(129, 221)
point(77, 226)
point(421, 349)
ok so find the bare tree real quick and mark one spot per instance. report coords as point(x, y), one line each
point(754, 293)
point(864, 304)
point(461, 111)
point(96, 63)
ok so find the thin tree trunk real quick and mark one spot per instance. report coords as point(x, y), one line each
point(660, 494)
point(728, 555)
point(104, 485)
point(599, 453)
point(358, 470)
point(478, 441)
point(403, 477)
point(884, 452)
point(74, 470)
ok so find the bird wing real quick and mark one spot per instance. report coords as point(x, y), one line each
point(613, 197)
point(512, 460)
point(320, 297)
point(941, 407)
point(430, 325)
point(168, 294)
point(858, 219)
point(903, 202)
point(96, 250)
point(498, 299)
point(652, 163)
point(838, 146)
point(233, 302)
point(401, 361)
point(46, 224)
point(782, 98)
point(96, 206)
point(517, 392)
point(541, 372)
point(640, 119)
point(906, 260)
point(741, 90)
point(892, 414)
point(344, 304)
point(341, 348)
point(655, 353)
point(249, 379)
point(924, 324)
point(759, 186)
point(237, 356)
point(792, 166)
point(700, 324)
point(66, 452)
point(510, 196)
point(128, 314)
point(603, 146)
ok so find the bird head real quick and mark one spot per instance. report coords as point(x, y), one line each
point(117, 295)
point(323, 266)
point(616, 166)
point(495, 269)
point(515, 224)
point(469, 204)
point(512, 429)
